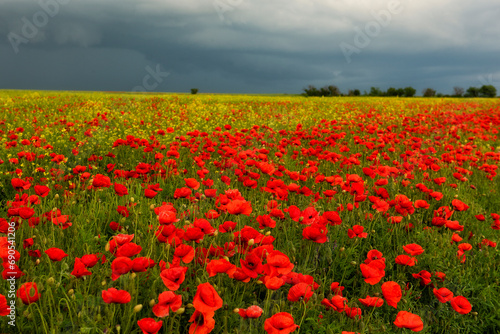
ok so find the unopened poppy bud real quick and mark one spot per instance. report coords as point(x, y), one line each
point(133, 275)
point(152, 302)
point(137, 308)
point(267, 233)
point(152, 207)
point(216, 233)
point(37, 262)
point(353, 263)
point(50, 280)
point(342, 249)
point(180, 310)
point(225, 258)
point(251, 242)
point(474, 313)
point(103, 283)
point(71, 292)
point(118, 328)
point(189, 305)
point(56, 196)
point(132, 199)
point(106, 248)
point(236, 310)
point(373, 231)
point(123, 220)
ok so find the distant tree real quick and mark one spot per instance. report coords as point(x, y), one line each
point(472, 92)
point(439, 95)
point(458, 91)
point(356, 92)
point(334, 90)
point(487, 91)
point(409, 91)
point(311, 91)
point(375, 91)
point(429, 92)
point(391, 91)
point(194, 90)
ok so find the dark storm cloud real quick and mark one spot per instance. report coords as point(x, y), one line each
point(247, 46)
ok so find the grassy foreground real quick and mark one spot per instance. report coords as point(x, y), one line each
point(126, 213)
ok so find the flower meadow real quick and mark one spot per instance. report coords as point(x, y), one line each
point(129, 213)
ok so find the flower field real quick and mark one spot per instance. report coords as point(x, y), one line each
point(126, 213)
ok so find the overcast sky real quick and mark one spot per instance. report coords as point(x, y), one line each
point(248, 46)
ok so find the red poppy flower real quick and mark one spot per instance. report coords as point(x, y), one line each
point(101, 181)
point(406, 260)
point(19, 184)
point(315, 232)
point(413, 249)
point(374, 271)
point(353, 312)
point(28, 292)
point(192, 183)
point(280, 323)
point(372, 301)
point(90, 260)
point(277, 263)
point(115, 296)
point(237, 207)
point(206, 299)
point(80, 269)
point(173, 277)
point(273, 283)
point(167, 301)
point(357, 231)
point(122, 210)
point(183, 252)
point(149, 325)
point(461, 305)
point(300, 291)
point(424, 276)
point(120, 266)
point(409, 320)
point(252, 312)
point(392, 293)
point(4, 307)
point(421, 204)
point(459, 205)
point(337, 303)
point(443, 294)
point(120, 189)
point(55, 254)
point(201, 323)
point(218, 266)
point(42, 191)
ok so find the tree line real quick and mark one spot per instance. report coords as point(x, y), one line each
point(332, 90)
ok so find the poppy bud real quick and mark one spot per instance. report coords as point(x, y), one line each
point(103, 283)
point(353, 263)
point(152, 207)
point(56, 196)
point(268, 233)
point(236, 310)
point(137, 308)
point(106, 248)
point(342, 249)
point(251, 242)
point(152, 302)
point(37, 262)
point(189, 305)
point(132, 199)
point(50, 280)
point(71, 292)
point(180, 310)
